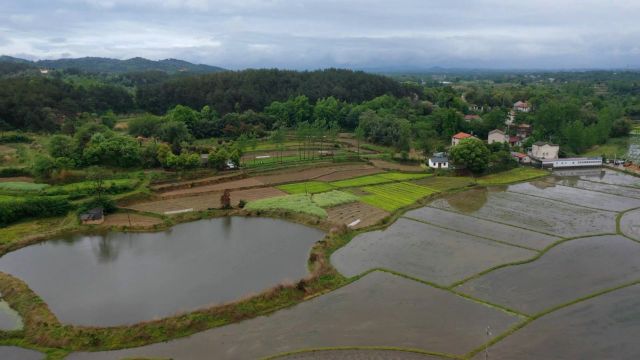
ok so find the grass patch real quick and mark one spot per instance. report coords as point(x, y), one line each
point(396, 176)
point(511, 176)
point(298, 203)
point(333, 198)
point(85, 187)
point(614, 147)
point(444, 183)
point(311, 187)
point(19, 186)
point(391, 197)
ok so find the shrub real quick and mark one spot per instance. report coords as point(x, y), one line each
point(15, 138)
point(32, 207)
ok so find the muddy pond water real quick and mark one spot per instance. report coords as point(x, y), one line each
point(123, 278)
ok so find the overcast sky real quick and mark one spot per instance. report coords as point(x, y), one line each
point(339, 33)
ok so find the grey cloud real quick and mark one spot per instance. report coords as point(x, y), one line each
point(312, 34)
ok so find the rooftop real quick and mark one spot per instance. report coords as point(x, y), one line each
point(462, 135)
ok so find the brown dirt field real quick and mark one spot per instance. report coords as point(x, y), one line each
point(382, 164)
point(236, 184)
point(205, 201)
point(6, 149)
point(137, 220)
point(197, 182)
point(307, 174)
point(348, 174)
point(348, 213)
point(17, 178)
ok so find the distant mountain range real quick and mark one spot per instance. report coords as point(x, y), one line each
point(107, 65)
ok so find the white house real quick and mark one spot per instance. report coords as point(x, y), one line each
point(439, 161)
point(521, 158)
point(497, 135)
point(522, 106)
point(544, 151)
point(455, 139)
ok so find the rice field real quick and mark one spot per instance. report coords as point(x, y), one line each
point(391, 197)
point(307, 187)
point(19, 186)
point(298, 203)
point(396, 176)
point(333, 198)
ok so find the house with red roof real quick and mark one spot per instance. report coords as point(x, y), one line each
point(522, 106)
point(455, 139)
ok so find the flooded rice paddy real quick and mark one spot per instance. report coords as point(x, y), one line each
point(630, 224)
point(604, 327)
point(566, 272)
point(535, 213)
point(355, 315)
point(424, 251)
point(123, 278)
point(17, 353)
point(586, 198)
point(9, 318)
point(482, 228)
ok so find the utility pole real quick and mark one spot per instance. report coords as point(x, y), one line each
point(486, 347)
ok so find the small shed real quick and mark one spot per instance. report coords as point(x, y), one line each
point(439, 161)
point(94, 216)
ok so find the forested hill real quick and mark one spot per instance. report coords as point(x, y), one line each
point(44, 102)
point(255, 89)
point(115, 66)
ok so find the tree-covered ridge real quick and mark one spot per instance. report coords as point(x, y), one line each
point(255, 89)
point(112, 66)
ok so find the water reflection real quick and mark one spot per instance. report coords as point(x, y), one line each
point(119, 278)
point(468, 201)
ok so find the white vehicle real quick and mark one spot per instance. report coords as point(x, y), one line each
point(230, 165)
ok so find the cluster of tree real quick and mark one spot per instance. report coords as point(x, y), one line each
point(474, 155)
point(42, 104)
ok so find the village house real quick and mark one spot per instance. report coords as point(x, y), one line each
point(544, 151)
point(455, 139)
point(515, 140)
point(521, 158)
point(497, 135)
point(439, 161)
point(524, 131)
point(472, 117)
point(522, 106)
point(511, 118)
point(94, 216)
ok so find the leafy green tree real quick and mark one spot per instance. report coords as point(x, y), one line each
point(621, 127)
point(146, 126)
point(112, 150)
point(175, 133)
point(61, 146)
point(471, 153)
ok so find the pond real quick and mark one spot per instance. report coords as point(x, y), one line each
point(124, 278)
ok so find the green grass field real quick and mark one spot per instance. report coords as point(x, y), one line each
point(20, 186)
point(298, 203)
point(511, 176)
point(443, 183)
point(394, 196)
point(112, 186)
point(377, 179)
point(333, 198)
point(395, 176)
point(614, 147)
point(311, 187)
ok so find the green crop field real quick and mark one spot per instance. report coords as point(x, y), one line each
point(311, 187)
point(394, 196)
point(377, 179)
point(511, 176)
point(111, 186)
point(443, 183)
point(298, 203)
point(20, 186)
point(333, 198)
